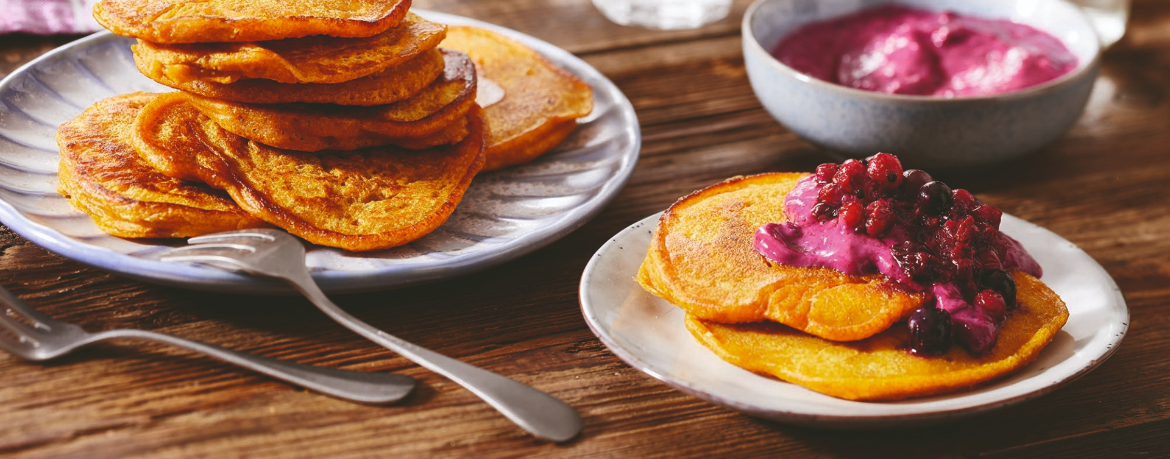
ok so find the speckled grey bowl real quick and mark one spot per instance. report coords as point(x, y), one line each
point(925, 132)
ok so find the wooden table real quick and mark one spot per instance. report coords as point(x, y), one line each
point(1103, 186)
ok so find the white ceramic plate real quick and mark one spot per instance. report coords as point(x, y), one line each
point(505, 214)
point(648, 333)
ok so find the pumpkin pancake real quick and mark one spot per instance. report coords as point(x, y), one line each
point(368, 199)
point(701, 259)
point(879, 367)
point(177, 21)
point(102, 175)
point(315, 127)
point(540, 101)
point(450, 135)
point(315, 59)
point(391, 85)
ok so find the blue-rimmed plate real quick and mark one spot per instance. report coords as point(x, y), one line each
point(505, 214)
point(648, 333)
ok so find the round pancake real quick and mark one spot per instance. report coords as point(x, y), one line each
point(532, 144)
point(450, 135)
point(102, 175)
point(879, 367)
point(701, 259)
point(368, 199)
point(316, 127)
point(391, 85)
point(315, 59)
point(540, 100)
point(177, 21)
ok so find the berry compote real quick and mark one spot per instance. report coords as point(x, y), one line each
point(871, 216)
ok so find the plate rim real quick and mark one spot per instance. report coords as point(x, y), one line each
point(341, 281)
point(834, 421)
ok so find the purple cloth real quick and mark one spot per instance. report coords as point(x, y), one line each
point(46, 17)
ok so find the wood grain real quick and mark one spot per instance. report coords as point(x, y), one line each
point(1103, 186)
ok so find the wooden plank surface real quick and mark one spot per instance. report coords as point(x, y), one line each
point(1103, 186)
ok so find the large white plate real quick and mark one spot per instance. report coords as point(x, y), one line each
point(648, 333)
point(505, 214)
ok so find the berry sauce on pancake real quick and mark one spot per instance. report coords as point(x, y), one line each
point(870, 216)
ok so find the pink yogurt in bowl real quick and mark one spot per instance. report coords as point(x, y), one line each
point(923, 116)
point(896, 49)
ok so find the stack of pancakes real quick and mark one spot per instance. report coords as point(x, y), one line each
point(342, 123)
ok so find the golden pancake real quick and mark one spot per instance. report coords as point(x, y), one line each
point(315, 59)
point(530, 145)
point(391, 85)
point(701, 259)
point(540, 100)
point(362, 200)
point(879, 367)
point(450, 135)
point(102, 175)
point(315, 127)
point(177, 21)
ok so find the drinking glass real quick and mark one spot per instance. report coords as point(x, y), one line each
point(664, 14)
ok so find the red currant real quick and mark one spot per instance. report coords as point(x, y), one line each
point(825, 172)
point(830, 194)
point(964, 200)
point(852, 214)
point(991, 302)
point(886, 170)
point(881, 218)
point(849, 175)
point(991, 215)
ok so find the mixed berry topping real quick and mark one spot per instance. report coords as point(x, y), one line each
point(946, 237)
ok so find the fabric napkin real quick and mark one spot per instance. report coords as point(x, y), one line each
point(46, 17)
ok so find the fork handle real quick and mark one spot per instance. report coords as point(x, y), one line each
point(539, 413)
point(365, 387)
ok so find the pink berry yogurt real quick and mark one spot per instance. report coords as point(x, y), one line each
point(898, 50)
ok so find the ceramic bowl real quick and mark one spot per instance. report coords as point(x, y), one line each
point(924, 131)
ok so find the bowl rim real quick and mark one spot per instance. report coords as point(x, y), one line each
point(749, 40)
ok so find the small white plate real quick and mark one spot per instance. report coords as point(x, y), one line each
point(648, 333)
point(505, 213)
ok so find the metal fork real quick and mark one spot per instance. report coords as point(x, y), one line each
point(277, 254)
point(35, 336)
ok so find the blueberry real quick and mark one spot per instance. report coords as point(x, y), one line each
point(1002, 282)
point(934, 198)
point(912, 181)
point(930, 331)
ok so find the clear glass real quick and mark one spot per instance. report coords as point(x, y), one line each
point(1109, 18)
point(664, 14)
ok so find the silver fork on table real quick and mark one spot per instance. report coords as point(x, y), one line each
point(277, 254)
point(32, 335)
